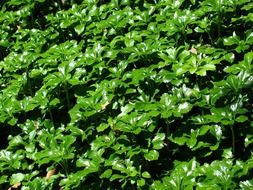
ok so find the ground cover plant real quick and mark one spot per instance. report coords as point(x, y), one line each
point(120, 94)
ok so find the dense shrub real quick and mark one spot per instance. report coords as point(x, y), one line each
point(122, 94)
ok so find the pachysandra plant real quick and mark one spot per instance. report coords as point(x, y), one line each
point(126, 94)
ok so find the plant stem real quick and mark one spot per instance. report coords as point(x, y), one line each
point(51, 115)
point(65, 86)
point(167, 133)
point(29, 82)
point(233, 139)
point(209, 36)
point(219, 19)
point(65, 164)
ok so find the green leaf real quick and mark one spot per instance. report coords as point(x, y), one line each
point(158, 141)
point(246, 185)
point(54, 102)
point(241, 118)
point(126, 109)
point(90, 166)
point(146, 175)
point(83, 163)
point(107, 174)
point(227, 153)
point(102, 127)
point(152, 155)
point(141, 182)
point(12, 121)
point(184, 107)
point(119, 166)
point(232, 40)
point(116, 176)
point(17, 178)
point(129, 42)
point(202, 70)
point(193, 2)
point(3, 179)
point(15, 142)
point(79, 28)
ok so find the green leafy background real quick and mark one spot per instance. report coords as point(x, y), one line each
point(120, 94)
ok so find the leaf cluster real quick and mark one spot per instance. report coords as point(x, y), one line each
point(121, 94)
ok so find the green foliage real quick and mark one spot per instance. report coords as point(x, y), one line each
point(126, 94)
